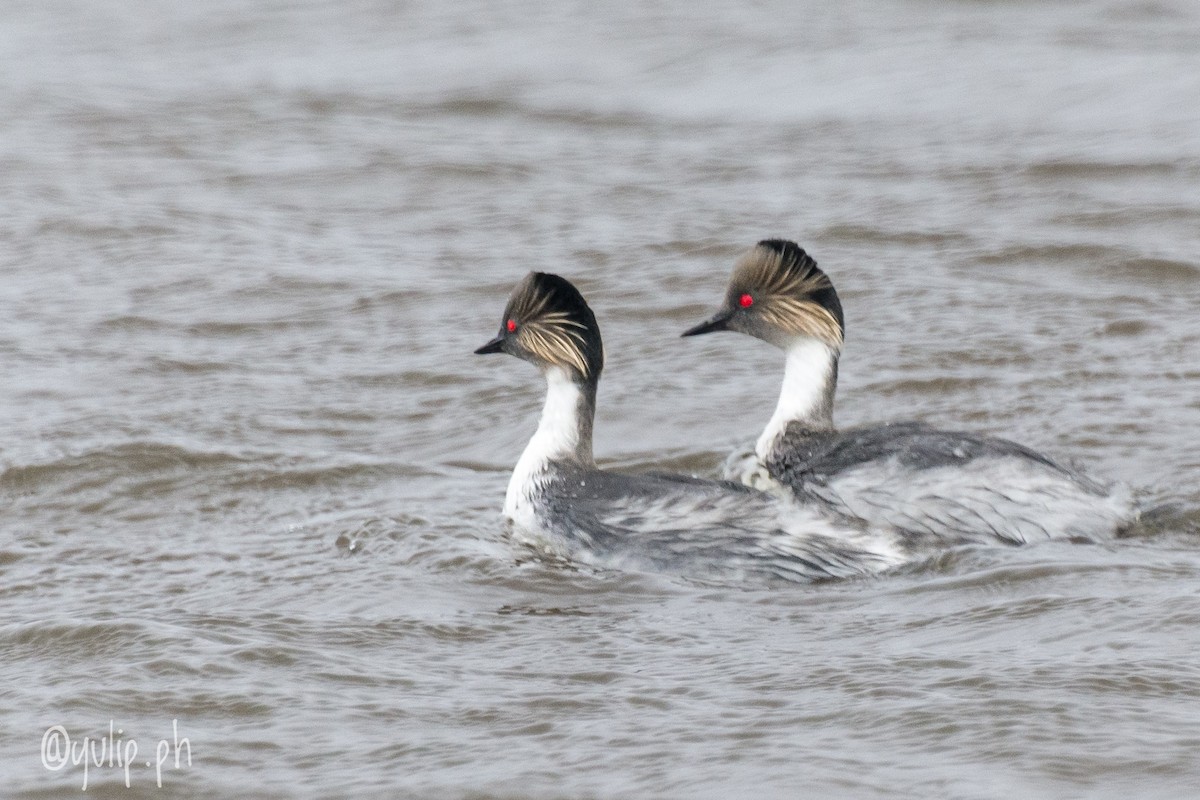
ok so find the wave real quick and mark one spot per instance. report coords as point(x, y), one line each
point(152, 469)
point(1110, 260)
point(858, 234)
point(1102, 170)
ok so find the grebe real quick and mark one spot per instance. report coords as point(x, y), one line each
point(560, 502)
point(949, 486)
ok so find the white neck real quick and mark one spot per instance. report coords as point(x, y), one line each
point(564, 433)
point(809, 381)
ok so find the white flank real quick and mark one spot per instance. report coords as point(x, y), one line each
point(993, 499)
point(806, 376)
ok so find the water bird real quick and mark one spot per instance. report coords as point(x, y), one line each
point(562, 504)
point(947, 486)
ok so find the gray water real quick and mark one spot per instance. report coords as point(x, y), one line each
point(251, 473)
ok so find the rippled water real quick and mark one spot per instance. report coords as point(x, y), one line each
point(251, 472)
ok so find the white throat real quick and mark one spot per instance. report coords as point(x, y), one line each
point(807, 393)
point(562, 433)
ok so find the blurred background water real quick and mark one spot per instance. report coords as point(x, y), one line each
point(251, 473)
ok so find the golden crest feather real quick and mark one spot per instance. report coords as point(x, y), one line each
point(552, 337)
point(782, 287)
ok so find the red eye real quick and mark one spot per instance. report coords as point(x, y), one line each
point(746, 301)
point(511, 325)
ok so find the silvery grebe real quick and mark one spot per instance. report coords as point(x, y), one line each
point(949, 486)
point(559, 501)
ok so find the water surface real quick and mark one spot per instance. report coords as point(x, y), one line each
point(251, 473)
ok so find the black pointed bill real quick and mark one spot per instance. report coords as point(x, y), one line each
point(720, 322)
point(494, 346)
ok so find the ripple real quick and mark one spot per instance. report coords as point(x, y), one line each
point(1096, 259)
point(491, 107)
point(79, 228)
point(261, 328)
point(930, 386)
point(160, 365)
point(857, 234)
point(127, 480)
point(84, 641)
point(1102, 170)
point(1167, 270)
point(1053, 253)
point(133, 323)
point(134, 458)
point(1126, 327)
